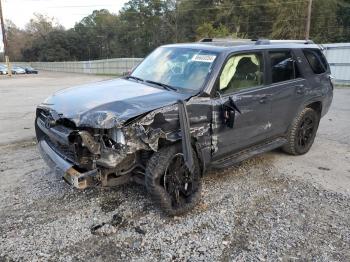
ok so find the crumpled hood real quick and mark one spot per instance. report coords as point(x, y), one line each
point(109, 103)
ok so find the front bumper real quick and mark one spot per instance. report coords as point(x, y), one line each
point(70, 174)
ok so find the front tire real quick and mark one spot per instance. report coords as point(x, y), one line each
point(302, 132)
point(169, 182)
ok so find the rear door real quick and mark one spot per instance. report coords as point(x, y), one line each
point(242, 81)
point(287, 86)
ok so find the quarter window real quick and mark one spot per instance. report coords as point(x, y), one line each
point(316, 61)
point(283, 67)
point(242, 71)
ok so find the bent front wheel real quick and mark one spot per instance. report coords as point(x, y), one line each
point(172, 186)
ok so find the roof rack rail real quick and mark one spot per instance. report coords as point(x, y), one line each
point(226, 39)
point(262, 41)
point(269, 42)
point(206, 40)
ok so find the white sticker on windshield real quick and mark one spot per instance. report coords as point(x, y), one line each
point(203, 58)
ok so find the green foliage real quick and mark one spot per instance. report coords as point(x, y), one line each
point(208, 30)
point(142, 25)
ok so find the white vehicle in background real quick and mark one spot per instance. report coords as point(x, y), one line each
point(18, 70)
point(3, 70)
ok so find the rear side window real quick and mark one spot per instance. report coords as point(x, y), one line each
point(283, 67)
point(316, 60)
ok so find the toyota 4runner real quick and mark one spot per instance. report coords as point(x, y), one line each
point(184, 109)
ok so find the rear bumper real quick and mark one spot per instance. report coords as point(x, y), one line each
point(71, 175)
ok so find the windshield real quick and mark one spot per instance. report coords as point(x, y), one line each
point(177, 67)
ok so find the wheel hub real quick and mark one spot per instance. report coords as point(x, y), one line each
point(178, 181)
point(305, 132)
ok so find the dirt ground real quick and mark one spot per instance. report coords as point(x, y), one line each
point(272, 207)
point(20, 95)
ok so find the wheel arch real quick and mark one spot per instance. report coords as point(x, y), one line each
point(316, 105)
point(196, 147)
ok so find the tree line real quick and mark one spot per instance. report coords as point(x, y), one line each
point(142, 25)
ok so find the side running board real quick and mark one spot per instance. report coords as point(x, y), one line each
point(247, 153)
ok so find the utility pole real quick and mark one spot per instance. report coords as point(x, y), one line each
point(3, 30)
point(4, 39)
point(176, 26)
point(308, 21)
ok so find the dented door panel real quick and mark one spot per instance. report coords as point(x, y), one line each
point(285, 100)
point(252, 125)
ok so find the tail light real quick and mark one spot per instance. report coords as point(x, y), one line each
point(331, 80)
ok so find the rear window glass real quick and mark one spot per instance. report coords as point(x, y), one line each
point(316, 61)
point(283, 67)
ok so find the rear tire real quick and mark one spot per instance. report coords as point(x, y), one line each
point(302, 132)
point(169, 182)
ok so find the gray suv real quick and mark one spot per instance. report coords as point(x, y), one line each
point(184, 109)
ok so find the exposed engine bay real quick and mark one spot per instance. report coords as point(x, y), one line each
point(116, 155)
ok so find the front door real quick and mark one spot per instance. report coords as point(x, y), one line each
point(240, 88)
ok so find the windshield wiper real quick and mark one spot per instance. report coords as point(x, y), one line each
point(165, 86)
point(136, 78)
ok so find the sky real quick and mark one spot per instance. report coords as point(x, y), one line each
point(67, 12)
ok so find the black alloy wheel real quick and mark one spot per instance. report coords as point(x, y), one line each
point(172, 186)
point(302, 132)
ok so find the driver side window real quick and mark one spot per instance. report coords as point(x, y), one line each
point(242, 71)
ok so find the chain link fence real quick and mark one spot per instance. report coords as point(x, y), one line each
point(338, 56)
point(116, 66)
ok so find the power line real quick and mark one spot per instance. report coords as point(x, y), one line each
point(126, 12)
point(189, 9)
point(77, 6)
point(240, 22)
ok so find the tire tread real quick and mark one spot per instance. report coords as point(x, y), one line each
point(289, 147)
point(156, 165)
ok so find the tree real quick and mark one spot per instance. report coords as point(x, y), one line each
point(40, 25)
point(142, 25)
point(17, 41)
point(326, 24)
point(208, 30)
point(290, 20)
point(39, 35)
point(97, 33)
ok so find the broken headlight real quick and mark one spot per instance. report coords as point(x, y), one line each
point(114, 139)
point(118, 136)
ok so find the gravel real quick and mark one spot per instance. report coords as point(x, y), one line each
point(249, 212)
point(273, 207)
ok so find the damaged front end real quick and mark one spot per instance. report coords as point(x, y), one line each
point(104, 151)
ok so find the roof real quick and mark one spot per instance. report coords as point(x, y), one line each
point(231, 45)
